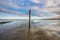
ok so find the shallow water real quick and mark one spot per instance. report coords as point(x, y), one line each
point(18, 29)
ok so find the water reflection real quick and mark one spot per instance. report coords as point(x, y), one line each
point(15, 30)
point(45, 30)
point(40, 30)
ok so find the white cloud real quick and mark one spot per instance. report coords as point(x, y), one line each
point(53, 10)
point(35, 1)
point(15, 17)
point(48, 3)
point(52, 18)
point(11, 12)
point(9, 3)
point(51, 6)
point(52, 3)
point(34, 7)
point(13, 5)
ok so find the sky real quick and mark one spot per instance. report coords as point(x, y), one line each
point(19, 8)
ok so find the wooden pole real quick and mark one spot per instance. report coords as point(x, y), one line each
point(28, 37)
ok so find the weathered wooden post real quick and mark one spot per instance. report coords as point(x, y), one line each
point(28, 37)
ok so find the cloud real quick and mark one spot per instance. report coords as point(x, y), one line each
point(50, 10)
point(52, 18)
point(34, 7)
point(13, 17)
point(52, 3)
point(9, 3)
point(42, 11)
point(51, 6)
point(47, 3)
point(21, 3)
point(12, 12)
point(16, 4)
point(53, 10)
point(35, 1)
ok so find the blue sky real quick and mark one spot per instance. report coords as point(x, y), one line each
point(40, 8)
